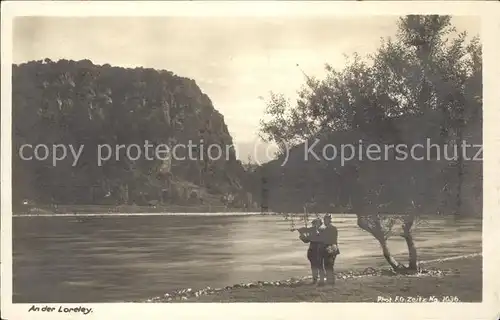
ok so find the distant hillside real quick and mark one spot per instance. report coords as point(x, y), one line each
point(79, 103)
point(426, 187)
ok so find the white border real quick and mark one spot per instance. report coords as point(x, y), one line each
point(489, 11)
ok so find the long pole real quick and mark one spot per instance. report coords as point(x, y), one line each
point(306, 218)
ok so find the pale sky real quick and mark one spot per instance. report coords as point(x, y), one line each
point(233, 60)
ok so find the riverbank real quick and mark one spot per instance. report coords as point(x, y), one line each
point(457, 280)
point(123, 209)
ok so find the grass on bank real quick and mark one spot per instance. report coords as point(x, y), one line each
point(463, 280)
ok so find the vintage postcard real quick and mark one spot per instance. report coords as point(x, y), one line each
point(274, 160)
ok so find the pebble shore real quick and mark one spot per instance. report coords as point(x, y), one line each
point(185, 294)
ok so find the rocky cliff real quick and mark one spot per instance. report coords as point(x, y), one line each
point(77, 103)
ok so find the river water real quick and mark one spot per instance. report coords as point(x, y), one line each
point(126, 258)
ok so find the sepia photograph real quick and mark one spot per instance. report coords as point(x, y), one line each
point(218, 158)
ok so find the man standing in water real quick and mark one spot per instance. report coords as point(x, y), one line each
point(329, 237)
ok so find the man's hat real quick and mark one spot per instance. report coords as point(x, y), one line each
point(328, 216)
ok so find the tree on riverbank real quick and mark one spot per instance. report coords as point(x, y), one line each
point(425, 83)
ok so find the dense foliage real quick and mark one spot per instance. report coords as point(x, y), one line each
point(79, 103)
point(424, 85)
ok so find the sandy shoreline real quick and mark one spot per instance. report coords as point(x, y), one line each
point(458, 279)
